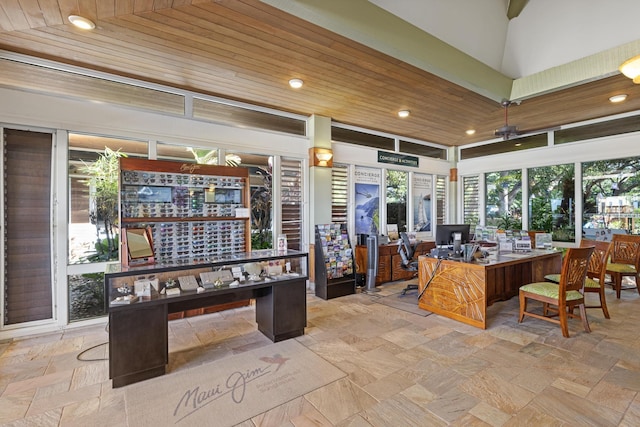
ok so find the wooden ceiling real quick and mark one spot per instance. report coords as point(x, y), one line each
point(247, 51)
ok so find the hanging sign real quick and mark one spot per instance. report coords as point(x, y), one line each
point(397, 159)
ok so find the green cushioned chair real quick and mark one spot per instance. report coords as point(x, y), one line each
point(596, 273)
point(565, 296)
point(625, 260)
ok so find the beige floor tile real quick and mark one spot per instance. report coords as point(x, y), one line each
point(497, 392)
point(340, 400)
point(490, 414)
point(403, 369)
point(574, 410)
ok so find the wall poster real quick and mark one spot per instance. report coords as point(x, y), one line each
point(367, 186)
point(421, 192)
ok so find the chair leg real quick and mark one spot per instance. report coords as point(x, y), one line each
point(603, 303)
point(617, 283)
point(562, 314)
point(523, 306)
point(583, 316)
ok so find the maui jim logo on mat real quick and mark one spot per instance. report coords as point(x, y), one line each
point(235, 386)
point(188, 167)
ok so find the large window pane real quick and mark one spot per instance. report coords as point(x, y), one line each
point(611, 195)
point(397, 184)
point(93, 195)
point(551, 201)
point(504, 199)
point(93, 217)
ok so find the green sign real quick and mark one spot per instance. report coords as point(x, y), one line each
point(397, 159)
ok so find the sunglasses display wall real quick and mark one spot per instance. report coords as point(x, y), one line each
point(195, 212)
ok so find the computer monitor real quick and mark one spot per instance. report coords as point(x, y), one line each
point(445, 233)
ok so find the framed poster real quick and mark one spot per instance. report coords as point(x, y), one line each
point(367, 195)
point(421, 190)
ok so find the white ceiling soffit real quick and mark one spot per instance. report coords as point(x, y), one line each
point(550, 45)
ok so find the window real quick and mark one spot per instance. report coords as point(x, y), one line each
point(339, 194)
point(423, 150)
point(610, 197)
point(93, 188)
point(471, 209)
point(516, 144)
point(504, 199)
point(397, 184)
point(93, 217)
point(551, 201)
point(291, 192)
point(441, 199)
point(362, 138)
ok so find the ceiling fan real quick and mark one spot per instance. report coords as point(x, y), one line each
point(508, 131)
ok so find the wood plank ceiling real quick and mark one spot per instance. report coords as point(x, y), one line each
point(246, 50)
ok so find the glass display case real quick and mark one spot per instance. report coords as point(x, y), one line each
point(191, 211)
point(215, 274)
point(141, 298)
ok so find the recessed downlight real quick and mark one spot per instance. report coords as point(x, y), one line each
point(82, 22)
point(618, 98)
point(470, 132)
point(404, 113)
point(296, 83)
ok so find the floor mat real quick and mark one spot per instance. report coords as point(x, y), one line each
point(229, 391)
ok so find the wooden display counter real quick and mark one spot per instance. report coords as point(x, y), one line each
point(463, 291)
point(389, 261)
point(138, 331)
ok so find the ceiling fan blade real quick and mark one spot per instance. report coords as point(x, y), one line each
point(517, 134)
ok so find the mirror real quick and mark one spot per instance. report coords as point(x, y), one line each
point(139, 243)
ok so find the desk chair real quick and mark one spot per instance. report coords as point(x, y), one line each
point(564, 296)
point(407, 251)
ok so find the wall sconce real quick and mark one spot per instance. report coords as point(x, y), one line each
point(322, 157)
point(631, 69)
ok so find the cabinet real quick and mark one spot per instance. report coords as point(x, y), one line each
point(138, 328)
point(390, 262)
point(194, 212)
point(334, 271)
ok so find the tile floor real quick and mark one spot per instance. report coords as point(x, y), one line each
point(403, 369)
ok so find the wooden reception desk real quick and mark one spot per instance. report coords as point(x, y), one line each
point(462, 291)
point(389, 261)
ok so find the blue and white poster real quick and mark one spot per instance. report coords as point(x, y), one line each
point(367, 186)
point(422, 191)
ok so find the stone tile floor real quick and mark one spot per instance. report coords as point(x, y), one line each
point(403, 369)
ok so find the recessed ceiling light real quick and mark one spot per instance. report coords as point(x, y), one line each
point(296, 83)
point(518, 144)
point(470, 131)
point(618, 98)
point(82, 22)
point(404, 113)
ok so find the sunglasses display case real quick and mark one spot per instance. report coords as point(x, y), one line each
point(194, 213)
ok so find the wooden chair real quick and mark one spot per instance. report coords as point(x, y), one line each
point(566, 295)
point(596, 272)
point(624, 260)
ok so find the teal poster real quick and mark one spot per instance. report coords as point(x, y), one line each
point(422, 192)
point(367, 200)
